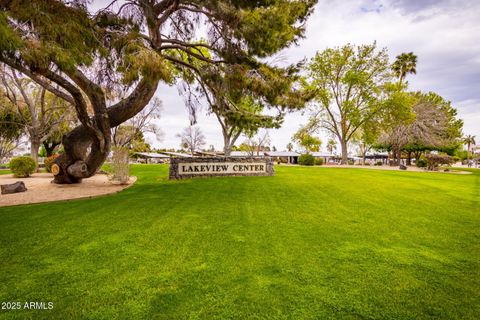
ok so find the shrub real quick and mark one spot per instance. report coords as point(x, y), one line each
point(22, 167)
point(436, 160)
point(350, 162)
point(107, 167)
point(49, 162)
point(378, 163)
point(463, 155)
point(306, 160)
point(421, 163)
point(319, 162)
point(42, 153)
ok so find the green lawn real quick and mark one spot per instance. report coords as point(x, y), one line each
point(308, 243)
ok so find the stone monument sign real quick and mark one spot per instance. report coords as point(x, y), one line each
point(181, 168)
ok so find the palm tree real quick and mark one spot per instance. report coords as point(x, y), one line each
point(331, 145)
point(406, 63)
point(289, 146)
point(469, 140)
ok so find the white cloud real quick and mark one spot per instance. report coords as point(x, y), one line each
point(445, 35)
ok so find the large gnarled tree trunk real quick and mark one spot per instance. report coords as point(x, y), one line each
point(230, 135)
point(147, 40)
point(86, 149)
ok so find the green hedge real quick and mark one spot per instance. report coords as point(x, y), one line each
point(421, 163)
point(22, 167)
point(306, 160)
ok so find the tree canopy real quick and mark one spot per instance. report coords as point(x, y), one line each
point(418, 122)
point(192, 139)
point(40, 113)
point(305, 139)
point(404, 64)
point(76, 54)
point(239, 97)
point(347, 82)
point(11, 128)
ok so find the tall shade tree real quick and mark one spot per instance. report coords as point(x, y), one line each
point(133, 130)
point(367, 136)
point(40, 112)
point(192, 139)
point(348, 82)
point(248, 121)
point(54, 140)
point(256, 143)
point(395, 118)
point(142, 43)
point(432, 124)
point(11, 128)
point(404, 64)
point(469, 140)
point(444, 128)
point(331, 145)
point(239, 97)
point(306, 140)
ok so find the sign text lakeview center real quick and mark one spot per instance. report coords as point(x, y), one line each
point(220, 166)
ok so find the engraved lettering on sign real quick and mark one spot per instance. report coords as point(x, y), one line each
point(199, 168)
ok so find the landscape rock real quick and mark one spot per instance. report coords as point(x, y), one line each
point(16, 187)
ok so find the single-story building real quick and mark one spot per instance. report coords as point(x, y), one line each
point(327, 157)
point(176, 154)
point(373, 158)
point(242, 154)
point(151, 157)
point(283, 156)
point(208, 154)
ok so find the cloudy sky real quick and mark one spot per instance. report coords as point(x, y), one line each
point(445, 35)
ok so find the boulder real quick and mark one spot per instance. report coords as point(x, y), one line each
point(18, 186)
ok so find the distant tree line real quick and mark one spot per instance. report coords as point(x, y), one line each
point(360, 98)
point(89, 85)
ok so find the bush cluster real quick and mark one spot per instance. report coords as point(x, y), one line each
point(49, 162)
point(22, 167)
point(436, 160)
point(319, 161)
point(462, 155)
point(306, 160)
point(421, 163)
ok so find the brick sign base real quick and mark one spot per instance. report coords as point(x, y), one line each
point(183, 168)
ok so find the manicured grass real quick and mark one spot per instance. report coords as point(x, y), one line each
point(309, 243)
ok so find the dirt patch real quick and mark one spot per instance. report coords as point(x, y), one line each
point(40, 189)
